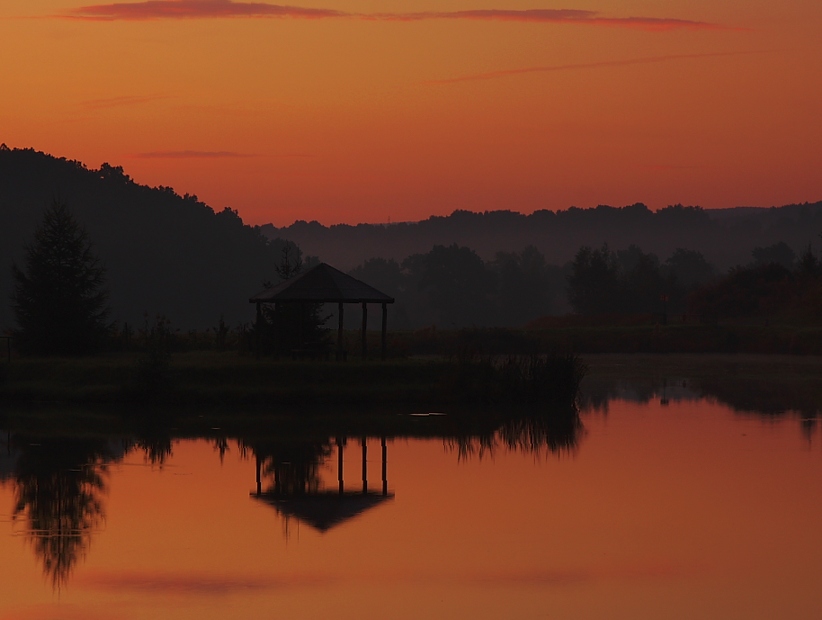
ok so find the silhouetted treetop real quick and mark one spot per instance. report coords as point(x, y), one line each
point(59, 297)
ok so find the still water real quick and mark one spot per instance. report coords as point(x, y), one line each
point(668, 504)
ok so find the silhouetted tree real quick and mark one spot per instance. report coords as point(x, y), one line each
point(387, 276)
point(290, 326)
point(59, 297)
point(643, 284)
point(593, 285)
point(809, 265)
point(690, 268)
point(524, 286)
point(456, 282)
point(778, 253)
point(744, 292)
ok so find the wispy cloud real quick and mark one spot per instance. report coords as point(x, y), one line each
point(204, 9)
point(116, 102)
point(190, 155)
point(554, 16)
point(490, 75)
point(194, 9)
point(202, 584)
point(180, 584)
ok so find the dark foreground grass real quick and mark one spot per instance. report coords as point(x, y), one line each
point(229, 380)
point(583, 338)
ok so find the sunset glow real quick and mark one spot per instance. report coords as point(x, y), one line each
point(354, 110)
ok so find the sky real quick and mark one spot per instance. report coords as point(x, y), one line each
point(364, 111)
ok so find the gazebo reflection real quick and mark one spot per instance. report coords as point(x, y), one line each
point(296, 491)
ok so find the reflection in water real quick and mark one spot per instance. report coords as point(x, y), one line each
point(60, 484)
point(288, 478)
point(776, 397)
point(59, 487)
point(598, 392)
point(552, 431)
point(156, 444)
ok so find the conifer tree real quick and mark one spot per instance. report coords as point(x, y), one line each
point(59, 297)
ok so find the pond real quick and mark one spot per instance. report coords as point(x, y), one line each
point(666, 502)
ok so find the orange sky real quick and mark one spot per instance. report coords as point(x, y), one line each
point(360, 110)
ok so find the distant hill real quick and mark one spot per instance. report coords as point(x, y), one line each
point(164, 253)
point(725, 237)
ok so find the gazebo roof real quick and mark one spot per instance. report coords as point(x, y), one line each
point(323, 510)
point(322, 284)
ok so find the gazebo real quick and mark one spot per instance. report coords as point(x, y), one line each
point(325, 284)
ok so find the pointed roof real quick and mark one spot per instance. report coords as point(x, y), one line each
point(323, 510)
point(322, 284)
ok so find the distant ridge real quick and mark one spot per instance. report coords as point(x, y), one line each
point(164, 253)
point(725, 236)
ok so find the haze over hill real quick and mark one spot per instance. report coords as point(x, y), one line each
point(725, 237)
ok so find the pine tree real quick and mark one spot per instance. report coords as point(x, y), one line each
point(59, 298)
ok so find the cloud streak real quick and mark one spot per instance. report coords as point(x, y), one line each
point(210, 9)
point(202, 584)
point(554, 16)
point(193, 9)
point(491, 75)
point(190, 155)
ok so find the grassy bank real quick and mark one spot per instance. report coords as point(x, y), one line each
point(230, 380)
point(573, 334)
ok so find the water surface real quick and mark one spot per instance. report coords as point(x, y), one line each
point(665, 504)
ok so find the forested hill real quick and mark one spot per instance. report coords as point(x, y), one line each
point(164, 253)
point(725, 237)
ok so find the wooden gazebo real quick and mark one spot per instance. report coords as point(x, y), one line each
point(325, 284)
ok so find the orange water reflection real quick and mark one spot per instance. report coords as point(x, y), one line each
point(679, 511)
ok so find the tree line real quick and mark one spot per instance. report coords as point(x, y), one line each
point(136, 251)
point(725, 237)
point(60, 296)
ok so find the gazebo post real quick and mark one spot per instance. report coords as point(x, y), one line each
point(384, 329)
point(364, 327)
point(340, 314)
point(340, 465)
point(259, 481)
point(384, 467)
point(259, 326)
point(364, 466)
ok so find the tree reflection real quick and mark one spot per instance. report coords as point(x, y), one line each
point(554, 431)
point(290, 467)
point(59, 490)
point(536, 433)
point(756, 393)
